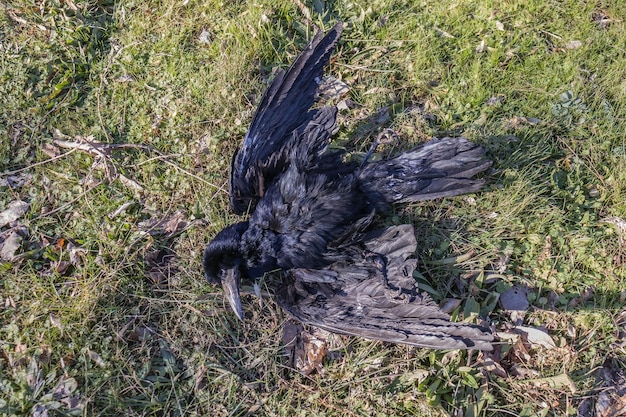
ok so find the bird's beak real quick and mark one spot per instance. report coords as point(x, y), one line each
point(230, 284)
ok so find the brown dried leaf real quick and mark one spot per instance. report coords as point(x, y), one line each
point(50, 150)
point(14, 211)
point(306, 349)
point(34, 376)
point(77, 254)
point(139, 334)
point(494, 100)
point(490, 365)
point(96, 358)
point(602, 19)
point(61, 267)
point(177, 222)
point(573, 44)
point(517, 121)
point(582, 298)
point(159, 265)
point(311, 355)
point(610, 405)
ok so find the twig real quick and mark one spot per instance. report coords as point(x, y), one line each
point(92, 146)
point(101, 150)
point(7, 173)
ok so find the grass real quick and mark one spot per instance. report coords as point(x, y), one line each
point(106, 311)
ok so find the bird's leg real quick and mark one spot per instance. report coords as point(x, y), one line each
point(369, 153)
point(380, 263)
point(383, 137)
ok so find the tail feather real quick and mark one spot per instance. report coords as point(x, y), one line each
point(439, 168)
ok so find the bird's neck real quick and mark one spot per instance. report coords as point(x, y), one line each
point(259, 249)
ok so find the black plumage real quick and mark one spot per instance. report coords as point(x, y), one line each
point(312, 212)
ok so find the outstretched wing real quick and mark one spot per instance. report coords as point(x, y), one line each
point(283, 114)
point(438, 168)
point(351, 299)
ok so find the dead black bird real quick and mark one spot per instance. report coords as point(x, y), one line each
point(312, 212)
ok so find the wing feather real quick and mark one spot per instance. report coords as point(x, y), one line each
point(349, 299)
point(283, 114)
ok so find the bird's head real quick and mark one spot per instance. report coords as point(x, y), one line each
point(223, 263)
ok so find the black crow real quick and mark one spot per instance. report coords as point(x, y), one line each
point(311, 212)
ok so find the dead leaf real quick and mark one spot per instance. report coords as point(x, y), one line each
point(200, 378)
point(34, 376)
point(205, 37)
point(573, 44)
point(120, 209)
point(557, 382)
point(177, 222)
point(159, 265)
point(61, 267)
point(63, 393)
point(448, 305)
point(536, 338)
point(515, 302)
point(15, 181)
point(515, 298)
point(602, 19)
point(482, 46)
point(582, 298)
point(376, 90)
point(490, 365)
point(517, 121)
point(11, 245)
point(519, 353)
point(494, 100)
point(77, 254)
point(96, 358)
point(9, 302)
point(305, 349)
point(50, 150)
point(291, 330)
point(521, 371)
point(14, 211)
point(40, 411)
point(139, 334)
point(611, 400)
point(55, 321)
point(332, 88)
point(610, 405)
point(443, 33)
point(311, 353)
